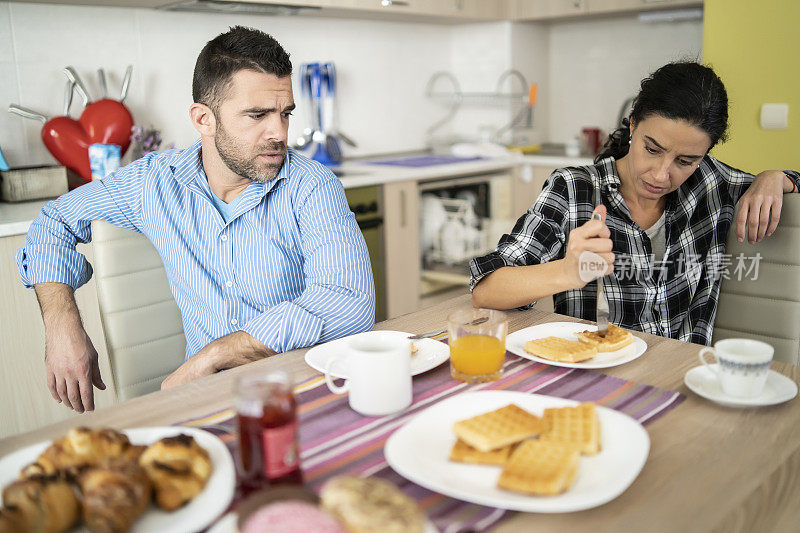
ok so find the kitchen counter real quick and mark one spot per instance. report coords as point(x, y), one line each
point(16, 218)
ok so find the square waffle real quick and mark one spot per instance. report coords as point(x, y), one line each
point(561, 350)
point(615, 339)
point(498, 428)
point(577, 427)
point(464, 453)
point(541, 468)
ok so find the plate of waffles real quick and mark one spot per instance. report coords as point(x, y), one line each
point(575, 345)
point(519, 451)
point(425, 353)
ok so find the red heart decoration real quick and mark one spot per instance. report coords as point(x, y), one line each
point(105, 121)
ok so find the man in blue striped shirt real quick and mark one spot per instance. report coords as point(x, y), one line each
point(260, 248)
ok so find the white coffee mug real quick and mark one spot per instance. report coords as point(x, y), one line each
point(378, 368)
point(742, 366)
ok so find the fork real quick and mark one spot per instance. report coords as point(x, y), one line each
point(430, 334)
point(602, 302)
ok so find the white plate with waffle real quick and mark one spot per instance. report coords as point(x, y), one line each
point(515, 343)
point(430, 353)
point(420, 451)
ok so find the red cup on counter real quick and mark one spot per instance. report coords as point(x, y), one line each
point(267, 418)
point(592, 140)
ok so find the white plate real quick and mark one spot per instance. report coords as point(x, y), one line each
point(195, 516)
point(419, 451)
point(430, 353)
point(515, 343)
point(704, 382)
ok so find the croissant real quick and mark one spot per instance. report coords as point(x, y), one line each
point(39, 504)
point(115, 494)
point(178, 468)
point(79, 448)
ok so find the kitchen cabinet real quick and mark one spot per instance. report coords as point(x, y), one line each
point(25, 402)
point(554, 9)
point(401, 245)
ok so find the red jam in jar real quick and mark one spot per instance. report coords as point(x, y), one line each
point(267, 419)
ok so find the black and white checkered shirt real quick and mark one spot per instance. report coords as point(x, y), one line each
point(676, 297)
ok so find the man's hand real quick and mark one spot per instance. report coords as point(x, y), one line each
point(72, 368)
point(230, 351)
point(70, 358)
point(760, 206)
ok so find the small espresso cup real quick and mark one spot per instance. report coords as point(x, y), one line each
point(742, 366)
point(378, 368)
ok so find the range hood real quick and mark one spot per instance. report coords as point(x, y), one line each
point(235, 8)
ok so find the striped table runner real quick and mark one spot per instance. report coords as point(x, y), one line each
point(335, 440)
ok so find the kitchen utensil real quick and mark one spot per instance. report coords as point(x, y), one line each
point(328, 123)
point(429, 334)
point(126, 81)
point(101, 75)
point(319, 137)
point(305, 90)
point(602, 303)
point(83, 92)
point(70, 90)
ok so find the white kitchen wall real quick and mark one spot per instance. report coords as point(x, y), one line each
point(382, 68)
point(585, 69)
point(595, 65)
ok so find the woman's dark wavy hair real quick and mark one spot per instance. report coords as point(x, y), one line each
point(682, 90)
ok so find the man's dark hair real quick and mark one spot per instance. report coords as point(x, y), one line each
point(237, 49)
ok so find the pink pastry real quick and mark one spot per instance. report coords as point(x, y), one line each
point(291, 517)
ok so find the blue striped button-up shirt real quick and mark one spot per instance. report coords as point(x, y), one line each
point(290, 267)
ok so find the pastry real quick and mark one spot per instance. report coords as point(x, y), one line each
point(614, 339)
point(43, 504)
point(178, 468)
point(115, 494)
point(79, 448)
point(498, 428)
point(561, 350)
point(540, 468)
point(367, 505)
point(577, 426)
point(464, 453)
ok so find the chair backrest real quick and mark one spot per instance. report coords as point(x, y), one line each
point(767, 308)
point(142, 323)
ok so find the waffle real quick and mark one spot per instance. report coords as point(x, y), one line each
point(541, 468)
point(577, 427)
point(561, 350)
point(464, 453)
point(498, 428)
point(615, 339)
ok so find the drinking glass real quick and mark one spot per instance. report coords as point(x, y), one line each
point(477, 344)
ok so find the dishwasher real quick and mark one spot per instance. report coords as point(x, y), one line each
point(365, 204)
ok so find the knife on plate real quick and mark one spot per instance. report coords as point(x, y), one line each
point(602, 303)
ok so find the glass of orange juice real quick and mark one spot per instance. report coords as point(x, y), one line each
point(477, 344)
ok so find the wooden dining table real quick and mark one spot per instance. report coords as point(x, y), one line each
point(710, 468)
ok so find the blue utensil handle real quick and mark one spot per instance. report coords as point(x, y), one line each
point(305, 82)
point(330, 78)
point(316, 80)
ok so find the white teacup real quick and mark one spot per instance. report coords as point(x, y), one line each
point(743, 366)
point(378, 368)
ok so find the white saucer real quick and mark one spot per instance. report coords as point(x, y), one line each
point(704, 382)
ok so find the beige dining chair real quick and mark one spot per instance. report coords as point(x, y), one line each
point(766, 308)
point(142, 323)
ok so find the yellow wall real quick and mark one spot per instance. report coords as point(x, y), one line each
point(753, 47)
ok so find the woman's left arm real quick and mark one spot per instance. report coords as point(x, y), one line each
point(760, 206)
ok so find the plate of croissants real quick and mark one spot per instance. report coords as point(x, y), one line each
point(144, 479)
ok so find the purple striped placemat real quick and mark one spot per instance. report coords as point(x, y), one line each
point(335, 440)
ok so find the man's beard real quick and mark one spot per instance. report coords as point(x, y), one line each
point(235, 157)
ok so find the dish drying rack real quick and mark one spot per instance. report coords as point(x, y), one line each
point(444, 88)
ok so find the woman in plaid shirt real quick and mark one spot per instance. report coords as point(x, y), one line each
point(666, 207)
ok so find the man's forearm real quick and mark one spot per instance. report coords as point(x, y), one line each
point(57, 302)
point(235, 349)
